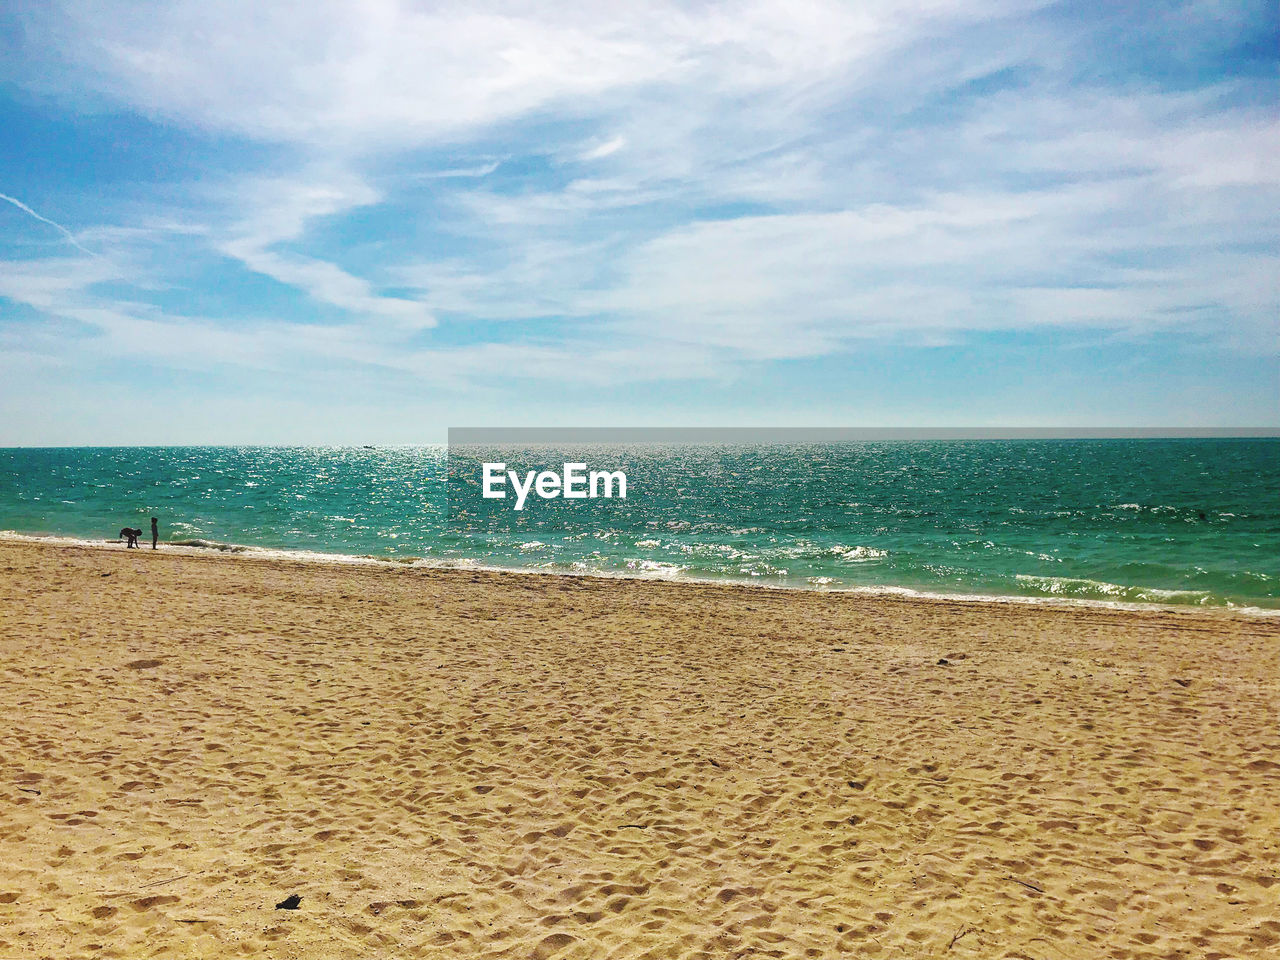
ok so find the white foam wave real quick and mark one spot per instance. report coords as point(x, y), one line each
point(1081, 587)
point(655, 568)
point(858, 554)
point(638, 569)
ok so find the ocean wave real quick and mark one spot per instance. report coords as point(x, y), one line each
point(858, 554)
point(714, 550)
point(1048, 558)
point(201, 544)
point(1081, 587)
point(808, 550)
point(762, 569)
point(654, 568)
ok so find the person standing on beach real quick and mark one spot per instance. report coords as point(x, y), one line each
point(155, 533)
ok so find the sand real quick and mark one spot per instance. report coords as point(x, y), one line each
point(470, 764)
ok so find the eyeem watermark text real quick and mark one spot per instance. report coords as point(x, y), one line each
point(575, 483)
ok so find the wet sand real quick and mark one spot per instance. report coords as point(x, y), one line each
point(468, 764)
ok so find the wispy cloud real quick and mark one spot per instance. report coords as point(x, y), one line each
point(280, 211)
point(380, 73)
point(480, 170)
point(602, 150)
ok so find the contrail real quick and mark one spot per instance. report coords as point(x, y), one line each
point(57, 226)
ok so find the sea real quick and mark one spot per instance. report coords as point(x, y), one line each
point(1111, 521)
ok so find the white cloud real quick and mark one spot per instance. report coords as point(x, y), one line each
point(480, 170)
point(602, 150)
point(382, 72)
point(745, 182)
point(280, 211)
point(781, 286)
point(93, 332)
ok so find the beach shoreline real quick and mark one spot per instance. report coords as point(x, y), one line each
point(498, 764)
point(250, 552)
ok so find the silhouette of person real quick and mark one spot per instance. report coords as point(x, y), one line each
point(131, 535)
point(155, 533)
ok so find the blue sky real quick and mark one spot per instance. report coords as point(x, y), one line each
point(225, 221)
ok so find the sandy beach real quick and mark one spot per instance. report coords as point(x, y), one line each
point(472, 764)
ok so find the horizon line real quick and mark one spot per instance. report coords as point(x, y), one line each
point(456, 435)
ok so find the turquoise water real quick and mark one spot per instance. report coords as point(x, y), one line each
point(1189, 521)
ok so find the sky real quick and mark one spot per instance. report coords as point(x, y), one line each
point(226, 221)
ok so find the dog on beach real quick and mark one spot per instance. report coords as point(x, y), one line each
point(130, 535)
